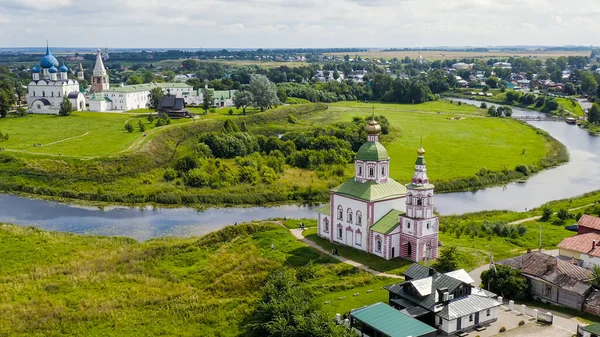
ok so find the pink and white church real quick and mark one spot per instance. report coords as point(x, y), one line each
point(374, 213)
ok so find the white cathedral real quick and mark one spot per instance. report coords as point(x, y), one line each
point(374, 213)
point(49, 85)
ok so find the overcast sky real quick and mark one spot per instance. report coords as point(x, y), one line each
point(297, 23)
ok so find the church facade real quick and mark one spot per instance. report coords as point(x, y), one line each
point(374, 213)
point(49, 85)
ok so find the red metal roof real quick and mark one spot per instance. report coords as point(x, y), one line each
point(582, 243)
point(589, 222)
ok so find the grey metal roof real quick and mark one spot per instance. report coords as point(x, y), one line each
point(465, 306)
point(404, 303)
point(416, 271)
point(439, 281)
point(73, 94)
point(414, 311)
point(462, 275)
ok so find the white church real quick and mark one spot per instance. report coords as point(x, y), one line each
point(374, 213)
point(49, 85)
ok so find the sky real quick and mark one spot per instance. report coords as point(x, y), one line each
point(297, 23)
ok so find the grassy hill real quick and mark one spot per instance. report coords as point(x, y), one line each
point(56, 284)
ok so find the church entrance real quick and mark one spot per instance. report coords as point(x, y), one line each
point(393, 252)
point(409, 250)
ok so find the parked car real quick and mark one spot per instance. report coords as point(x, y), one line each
point(573, 228)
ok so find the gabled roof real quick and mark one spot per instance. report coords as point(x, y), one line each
point(387, 223)
point(464, 306)
point(582, 243)
point(462, 275)
point(552, 270)
point(416, 271)
point(325, 209)
point(592, 328)
point(370, 190)
point(390, 321)
point(171, 102)
point(589, 221)
point(423, 286)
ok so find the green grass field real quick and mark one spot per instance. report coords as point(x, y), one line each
point(55, 284)
point(454, 148)
point(83, 134)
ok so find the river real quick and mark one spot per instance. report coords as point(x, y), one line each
point(580, 175)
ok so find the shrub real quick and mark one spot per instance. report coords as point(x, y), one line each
point(150, 118)
point(230, 111)
point(129, 127)
point(546, 214)
point(164, 120)
point(502, 329)
point(170, 174)
point(522, 322)
point(292, 119)
point(483, 105)
point(563, 214)
point(141, 126)
point(212, 110)
point(522, 169)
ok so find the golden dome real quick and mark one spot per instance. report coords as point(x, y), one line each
point(373, 128)
point(421, 151)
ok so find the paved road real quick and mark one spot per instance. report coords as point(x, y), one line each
point(298, 234)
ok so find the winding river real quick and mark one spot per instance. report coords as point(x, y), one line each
point(580, 175)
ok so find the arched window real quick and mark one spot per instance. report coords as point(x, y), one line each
point(358, 238)
point(340, 212)
point(371, 172)
point(408, 224)
point(428, 225)
point(360, 170)
point(379, 245)
point(43, 94)
point(358, 218)
point(409, 199)
point(349, 215)
point(383, 171)
point(339, 232)
point(420, 202)
point(33, 93)
point(326, 225)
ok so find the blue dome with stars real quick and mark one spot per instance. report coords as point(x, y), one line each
point(49, 60)
point(52, 70)
point(35, 69)
point(63, 68)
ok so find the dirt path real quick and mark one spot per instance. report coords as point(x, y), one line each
point(533, 218)
point(298, 234)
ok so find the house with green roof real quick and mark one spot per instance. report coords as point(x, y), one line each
point(374, 213)
point(381, 320)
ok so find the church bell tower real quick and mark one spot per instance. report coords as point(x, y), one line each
point(99, 76)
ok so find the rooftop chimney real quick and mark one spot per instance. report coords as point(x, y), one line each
point(593, 244)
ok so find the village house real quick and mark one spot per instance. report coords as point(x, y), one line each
point(552, 280)
point(448, 302)
point(172, 106)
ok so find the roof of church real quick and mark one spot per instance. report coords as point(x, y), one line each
point(48, 60)
point(146, 87)
point(99, 69)
point(370, 190)
point(387, 224)
point(420, 187)
point(372, 151)
point(325, 209)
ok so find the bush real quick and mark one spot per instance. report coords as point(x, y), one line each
point(164, 120)
point(212, 110)
point(563, 214)
point(150, 118)
point(129, 127)
point(292, 119)
point(521, 322)
point(546, 214)
point(141, 126)
point(502, 329)
point(170, 174)
point(483, 105)
point(230, 111)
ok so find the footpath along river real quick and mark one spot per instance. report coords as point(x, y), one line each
point(580, 175)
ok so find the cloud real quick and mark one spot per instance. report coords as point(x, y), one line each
point(296, 23)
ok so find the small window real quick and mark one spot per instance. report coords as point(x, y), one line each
point(371, 172)
point(379, 246)
point(339, 232)
point(439, 320)
point(340, 213)
point(360, 170)
point(359, 218)
point(358, 237)
point(548, 290)
point(470, 318)
point(349, 213)
point(488, 313)
point(408, 224)
point(420, 202)
point(326, 225)
point(383, 170)
point(428, 225)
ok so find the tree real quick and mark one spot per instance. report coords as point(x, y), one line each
point(594, 114)
point(141, 126)
point(492, 81)
point(264, 91)
point(134, 79)
point(569, 89)
point(448, 260)
point(546, 214)
point(189, 64)
point(493, 112)
point(154, 98)
point(243, 99)
point(508, 282)
point(550, 105)
point(65, 108)
point(588, 83)
point(4, 103)
point(207, 100)
point(596, 276)
point(563, 214)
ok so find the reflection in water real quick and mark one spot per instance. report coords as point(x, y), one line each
point(580, 175)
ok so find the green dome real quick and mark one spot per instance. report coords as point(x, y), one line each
point(372, 151)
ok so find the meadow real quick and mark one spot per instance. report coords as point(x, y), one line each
point(433, 55)
point(90, 156)
point(52, 284)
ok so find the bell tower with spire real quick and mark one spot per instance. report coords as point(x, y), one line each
point(419, 226)
point(99, 76)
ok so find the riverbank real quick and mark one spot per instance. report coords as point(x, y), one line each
point(138, 178)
